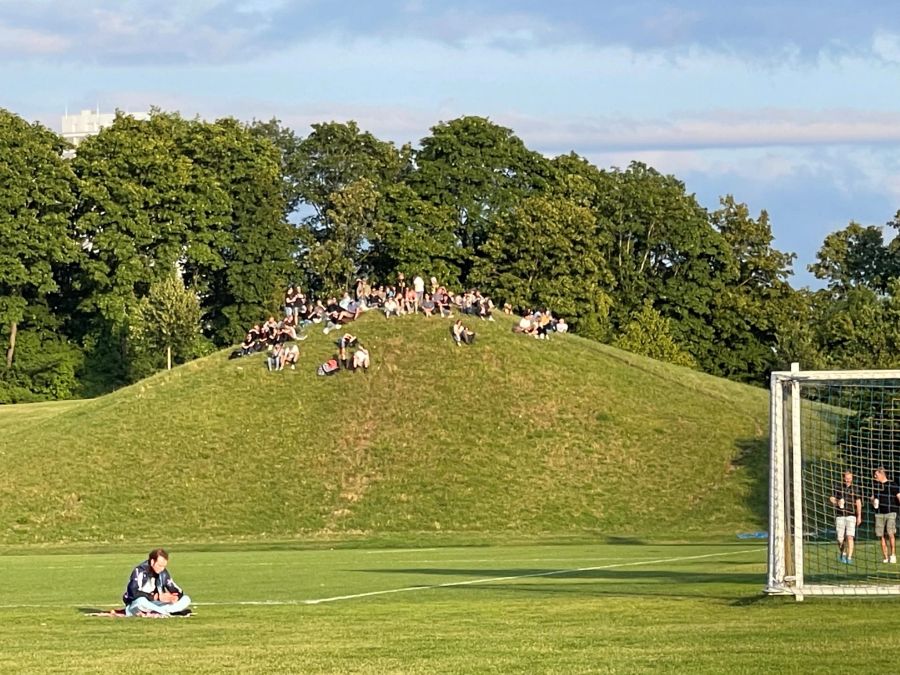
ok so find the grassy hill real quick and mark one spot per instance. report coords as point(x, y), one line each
point(511, 435)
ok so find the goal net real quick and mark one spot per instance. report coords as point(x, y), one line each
point(833, 482)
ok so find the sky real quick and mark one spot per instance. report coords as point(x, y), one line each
point(791, 107)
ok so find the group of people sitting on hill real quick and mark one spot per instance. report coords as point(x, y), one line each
point(268, 336)
point(540, 324)
point(432, 299)
point(332, 312)
point(279, 337)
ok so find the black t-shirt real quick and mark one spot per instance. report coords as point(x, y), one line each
point(849, 494)
point(886, 494)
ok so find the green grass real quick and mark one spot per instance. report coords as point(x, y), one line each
point(575, 607)
point(512, 436)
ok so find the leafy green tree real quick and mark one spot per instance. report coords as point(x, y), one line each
point(335, 156)
point(36, 201)
point(242, 262)
point(136, 207)
point(338, 258)
point(797, 336)
point(165, 325)
point(649, 333)
point(547, 252)
point(664, 249)
point(293, 163)
point(340, 173)
point(478, 170)
point(851, 330)
point(855, 256)
point(47, 364)
point(753, 305)
point(413, 236)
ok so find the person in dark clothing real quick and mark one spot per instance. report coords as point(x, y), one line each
point(885, 501)
point(847, 515)
point(151, 589)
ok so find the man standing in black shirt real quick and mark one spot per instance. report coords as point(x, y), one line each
point(885, 500)
point(847, 515)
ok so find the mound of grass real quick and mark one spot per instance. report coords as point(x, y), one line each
point(510, 435)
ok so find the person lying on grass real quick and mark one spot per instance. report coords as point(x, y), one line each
point(151, 591)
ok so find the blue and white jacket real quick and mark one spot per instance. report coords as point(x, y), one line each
point(144, 583)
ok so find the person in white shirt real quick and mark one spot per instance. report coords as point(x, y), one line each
point(419, 288)
point(361, 358)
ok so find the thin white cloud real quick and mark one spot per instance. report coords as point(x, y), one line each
point(29, 42)
point(719, 129)
point(886, 46)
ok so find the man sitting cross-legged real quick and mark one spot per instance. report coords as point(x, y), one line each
point(151, 590)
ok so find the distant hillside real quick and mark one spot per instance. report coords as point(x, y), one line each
point(510, 435)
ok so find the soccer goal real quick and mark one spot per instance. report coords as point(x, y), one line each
point(828, 428)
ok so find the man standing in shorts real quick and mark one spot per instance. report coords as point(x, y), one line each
point(885, 500)
point(847, 515)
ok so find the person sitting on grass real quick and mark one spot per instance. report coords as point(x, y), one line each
point(291, 356)
point(361, 358)
point(151, 591)
point(461, 334)
point(485, 307)
point(347, 340)
point(562, 326)
point(428, 305)
point(248, 346)
point(275, 359)
point(526, 325)
point(442, 302)
point(391, 308)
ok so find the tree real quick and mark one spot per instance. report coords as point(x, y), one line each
point(36, 201)
point(413, 236)
point(166, 321)
point(753, 305)
point(292, 161)
point(335, 260)
point(547, 252)
point(245, 259)
point(478, 170)
point(662, 248)
point(855, 256)
point(340, 173)
point(137, 205)
point(649, 333)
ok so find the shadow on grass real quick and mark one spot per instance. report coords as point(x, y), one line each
point(753, 456)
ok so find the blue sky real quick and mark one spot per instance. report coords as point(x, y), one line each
point(792, 107)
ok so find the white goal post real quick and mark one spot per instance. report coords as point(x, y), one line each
point(825, 425)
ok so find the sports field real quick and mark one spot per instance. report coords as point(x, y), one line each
point(616, 607)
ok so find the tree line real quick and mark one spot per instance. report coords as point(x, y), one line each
point(163, 239)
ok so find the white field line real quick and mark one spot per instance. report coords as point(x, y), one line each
point(487, 580)
point(409, 589)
